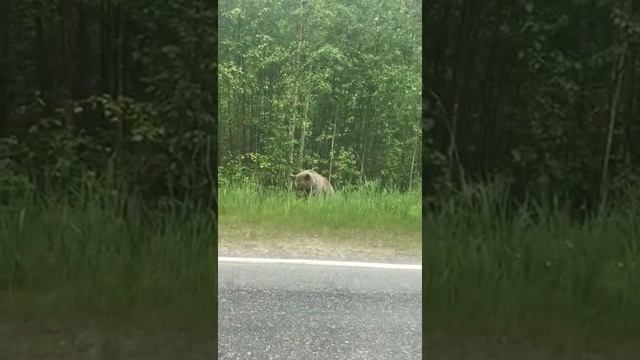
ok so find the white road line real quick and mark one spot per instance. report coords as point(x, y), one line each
point(320, 262)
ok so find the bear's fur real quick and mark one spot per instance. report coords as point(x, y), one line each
point(308, 182)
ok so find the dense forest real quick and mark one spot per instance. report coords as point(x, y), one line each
point(532, 188)
point(115, 91)
point(329, 85)
point(108, 143)
point(543, 95)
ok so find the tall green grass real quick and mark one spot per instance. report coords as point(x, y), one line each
point(101, 251)
point(363, 208)
point(531, 268)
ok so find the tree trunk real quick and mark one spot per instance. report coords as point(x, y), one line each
point(119, 48)
point(333, 140)
point(303, 132)
point(105, 46)
point(413, 159)
point(44, 76)
point(363, 147)
point(299, 74)
point(604, 181)
point(240, 120)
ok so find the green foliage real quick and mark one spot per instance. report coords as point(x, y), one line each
point(108, 141)
point(102, 251)
point(528, 90)
point(529, 268)
point(315, 85)
point(125, 91)
point(526, 230)
point(367, 207)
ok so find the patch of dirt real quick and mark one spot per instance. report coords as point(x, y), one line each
point(355, 246)
point(32, 339)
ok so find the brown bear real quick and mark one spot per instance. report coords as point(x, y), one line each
point(309, 182)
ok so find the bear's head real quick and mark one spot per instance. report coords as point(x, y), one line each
point(302, 184)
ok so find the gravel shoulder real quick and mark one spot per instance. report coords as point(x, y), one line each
point(252, 241)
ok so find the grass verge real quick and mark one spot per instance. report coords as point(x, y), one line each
point(102, 254)
point(363, 223)
point(531, 271)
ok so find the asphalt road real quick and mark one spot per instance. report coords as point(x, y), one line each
point(292, 311)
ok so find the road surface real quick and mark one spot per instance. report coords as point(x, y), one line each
point(319, 311)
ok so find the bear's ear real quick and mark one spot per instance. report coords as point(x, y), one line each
point(292, 176)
